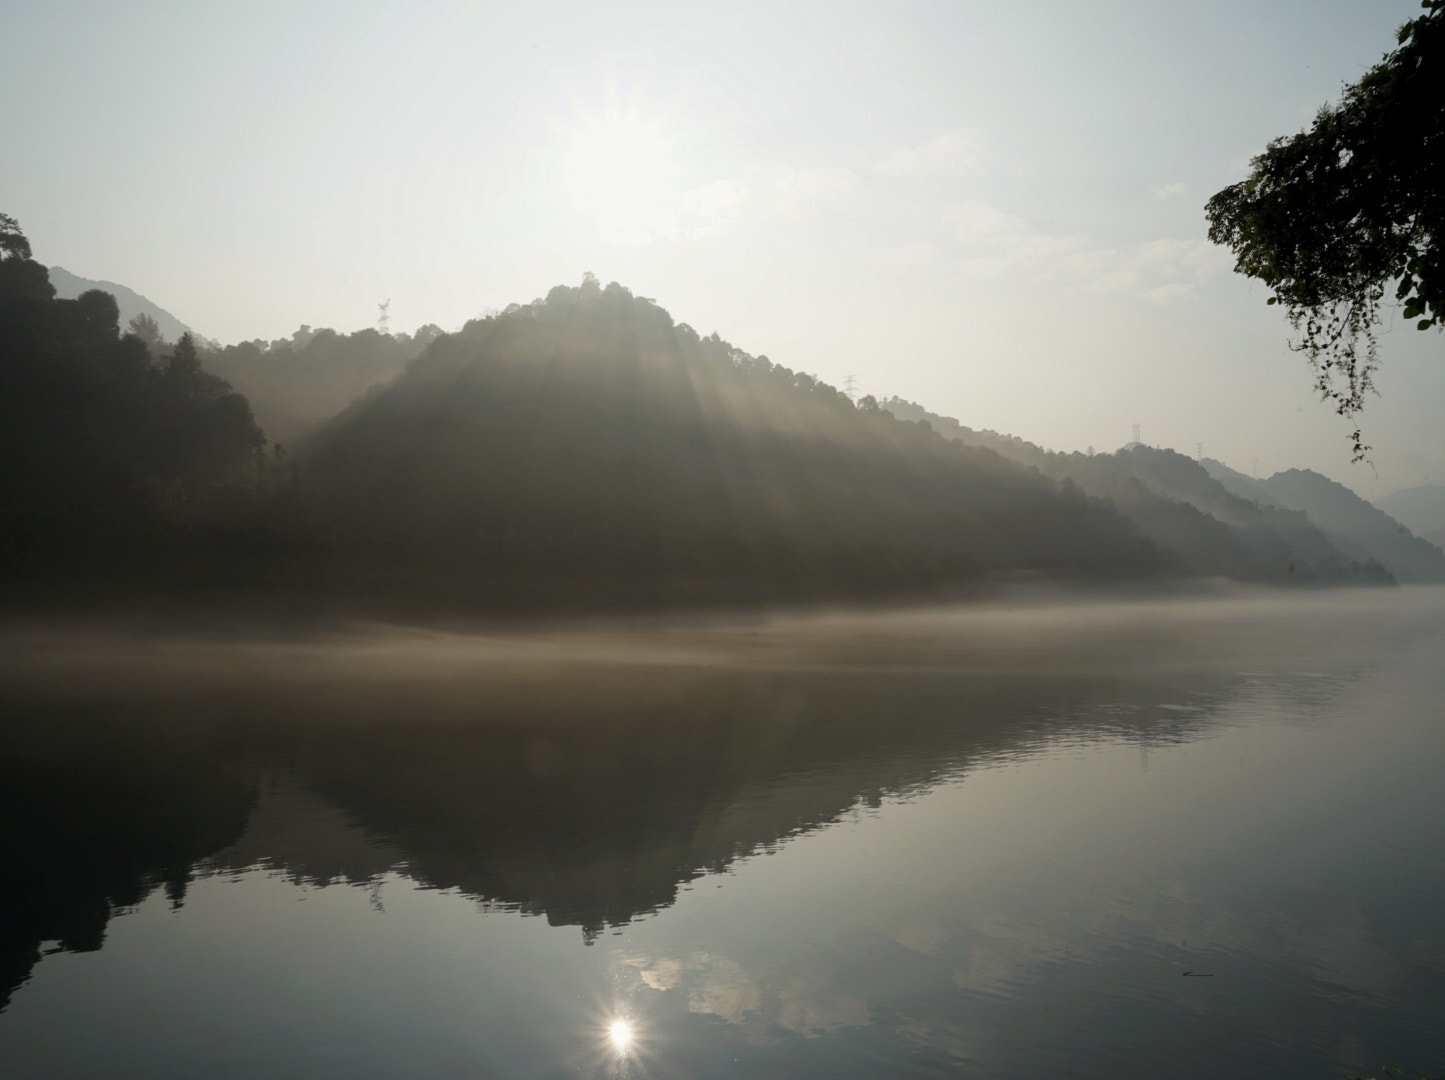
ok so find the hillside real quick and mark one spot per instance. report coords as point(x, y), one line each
point(1355, 526)
point(587, 445)
point(1173, 501)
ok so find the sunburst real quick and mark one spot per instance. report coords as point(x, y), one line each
point(622, 173)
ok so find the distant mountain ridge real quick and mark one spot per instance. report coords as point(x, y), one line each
point(68, 286)
point(1173, 501)
point(1355, 526)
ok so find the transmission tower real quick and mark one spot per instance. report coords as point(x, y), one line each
point(1136, 432)
point(383, 317)
point(850, 387)
point(1199, 450)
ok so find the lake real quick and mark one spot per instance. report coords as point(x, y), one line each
point(1183, 838)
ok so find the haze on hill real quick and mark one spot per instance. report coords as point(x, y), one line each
point(583, 450)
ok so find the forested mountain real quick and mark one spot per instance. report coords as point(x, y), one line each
point(1177, 504)
point(586, 443)
point(1421, 508)
point(581, 450)
point(1357, 528)
point(70, 286)
point(120, 463)
point(295, 383)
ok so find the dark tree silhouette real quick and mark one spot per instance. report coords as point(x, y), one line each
point(118, 466)
point(13, 244)
point(1330, 218)
point(184, 363)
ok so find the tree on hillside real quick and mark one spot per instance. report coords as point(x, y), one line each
point(1333, 217)
point(147, 329)
point(184, 363)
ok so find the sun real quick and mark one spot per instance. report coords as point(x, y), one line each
point(621, 171)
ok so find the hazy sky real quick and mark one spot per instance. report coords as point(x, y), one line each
point(994, 209)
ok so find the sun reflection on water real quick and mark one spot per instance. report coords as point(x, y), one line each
point(619, 1033)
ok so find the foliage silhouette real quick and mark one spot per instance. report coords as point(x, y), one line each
point(13, 244)
point(1331, 217)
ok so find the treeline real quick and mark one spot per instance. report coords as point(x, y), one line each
point(121, 463)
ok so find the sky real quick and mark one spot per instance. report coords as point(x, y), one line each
point(991, 208)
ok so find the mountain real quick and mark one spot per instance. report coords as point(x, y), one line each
point(1356, 527)
point(582, 451)
point(68, 286)
point(1421, 508)
point(586, 446)
point(1174, 502)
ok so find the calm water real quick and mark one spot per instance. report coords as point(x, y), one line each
point(1202, 839)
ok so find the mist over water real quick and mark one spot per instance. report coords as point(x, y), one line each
point(564, 688)
point(981, 839)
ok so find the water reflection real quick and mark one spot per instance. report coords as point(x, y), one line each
point(588, 795)
point(619, 1034)
point(98, 810)
point(591, 777)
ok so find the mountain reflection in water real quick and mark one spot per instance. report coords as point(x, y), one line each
point(585, 775)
